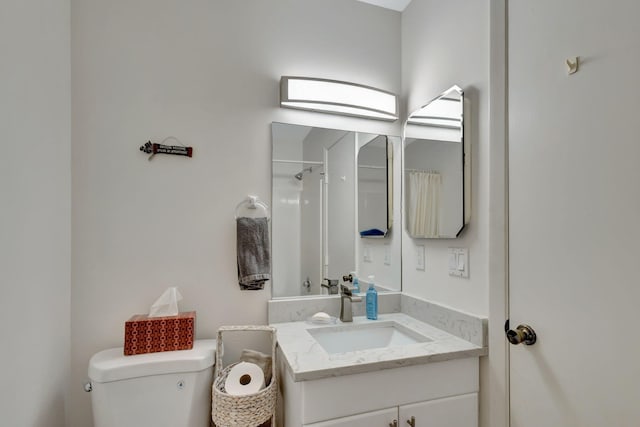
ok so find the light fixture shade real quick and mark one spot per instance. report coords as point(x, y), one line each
point(445, 111)
point(336, 97)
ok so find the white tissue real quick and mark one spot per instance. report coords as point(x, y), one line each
point(167, 304)
point(243, 379)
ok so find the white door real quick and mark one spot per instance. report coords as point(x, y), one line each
point(574, 212)
point(456, 411)
point(381, 418)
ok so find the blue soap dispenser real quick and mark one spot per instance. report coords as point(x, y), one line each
point(372, 301)
point(356, 283)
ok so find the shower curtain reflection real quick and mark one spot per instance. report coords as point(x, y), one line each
point(423, 210)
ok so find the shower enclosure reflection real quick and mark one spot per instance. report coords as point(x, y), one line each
point(315, 209)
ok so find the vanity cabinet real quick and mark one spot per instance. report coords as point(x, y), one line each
point(437, 394)
point(456, 411)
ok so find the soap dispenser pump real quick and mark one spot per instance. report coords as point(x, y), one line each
point(372, 300)
point(355, 282)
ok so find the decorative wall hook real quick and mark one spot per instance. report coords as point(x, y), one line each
point(178, 150)
point(573, 64)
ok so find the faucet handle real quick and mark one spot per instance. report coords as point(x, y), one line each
point(346, 290)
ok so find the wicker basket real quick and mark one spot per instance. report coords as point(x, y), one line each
point(247, 411)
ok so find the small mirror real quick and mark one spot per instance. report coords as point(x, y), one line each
point(375, 181)
point(436, 170)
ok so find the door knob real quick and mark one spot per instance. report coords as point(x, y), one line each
point(522, 334)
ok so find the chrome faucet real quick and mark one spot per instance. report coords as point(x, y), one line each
point(346, 298)
point(331, 285)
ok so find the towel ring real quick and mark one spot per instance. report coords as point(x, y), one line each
point(253, 207)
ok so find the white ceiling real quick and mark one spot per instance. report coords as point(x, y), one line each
point(398, 5)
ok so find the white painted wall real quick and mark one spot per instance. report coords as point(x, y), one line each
point(208, 73)
point(447, 43)
point(35, 184)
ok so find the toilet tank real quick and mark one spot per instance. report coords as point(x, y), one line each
point(170, 388)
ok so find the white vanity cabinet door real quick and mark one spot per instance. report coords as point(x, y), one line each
point(382, 418)
point(456, 411)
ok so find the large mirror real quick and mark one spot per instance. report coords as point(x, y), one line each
point(318, 189)
point(436, 170)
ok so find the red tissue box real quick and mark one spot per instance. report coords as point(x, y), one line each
point(144, 334)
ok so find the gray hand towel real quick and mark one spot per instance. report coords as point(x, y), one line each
point(254, 256)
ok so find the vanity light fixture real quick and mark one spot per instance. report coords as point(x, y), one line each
point(443, 112)
point(337, 97)
point(435, 121)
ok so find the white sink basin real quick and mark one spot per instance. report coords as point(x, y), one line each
point(347, 338)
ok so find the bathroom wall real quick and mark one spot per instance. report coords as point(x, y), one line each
point(207, 73)
point(447, 43)
point(35, 184)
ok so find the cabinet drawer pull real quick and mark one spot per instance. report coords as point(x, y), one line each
point(412, 422)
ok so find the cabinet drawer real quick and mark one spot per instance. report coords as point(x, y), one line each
point(456, 411)
point(381, 418)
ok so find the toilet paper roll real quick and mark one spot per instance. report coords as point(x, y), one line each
point(244, 378)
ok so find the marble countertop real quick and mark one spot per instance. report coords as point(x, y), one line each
point(307, 360)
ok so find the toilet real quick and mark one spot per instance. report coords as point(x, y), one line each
point(170, 388)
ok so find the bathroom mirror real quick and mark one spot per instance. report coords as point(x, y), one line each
point(316, 198)
point(436, 168)
point(375, 180)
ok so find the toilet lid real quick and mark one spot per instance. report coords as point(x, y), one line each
point(112, 365)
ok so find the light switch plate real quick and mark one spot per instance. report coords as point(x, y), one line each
point(420, 257)
point(459, 262)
